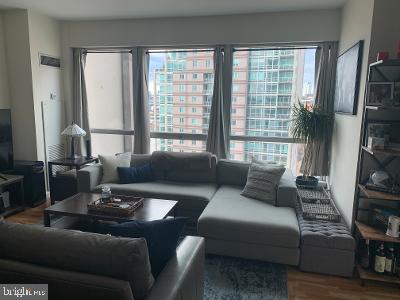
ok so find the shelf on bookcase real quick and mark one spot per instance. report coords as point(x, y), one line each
point(370, 233)
point(373, 107)
point(381, 151)
point(378, 195)
point(370, 275)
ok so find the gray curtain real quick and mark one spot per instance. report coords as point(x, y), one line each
point(317, 155)
point(219, 126)
point(227, 67)
point(80, 102)
point(140, 66)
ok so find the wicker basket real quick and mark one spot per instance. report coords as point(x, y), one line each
point(316, 204)
point(125, 207)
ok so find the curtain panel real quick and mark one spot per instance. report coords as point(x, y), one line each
point(141, 118)
point(317, 155)
point(80, 101)
point(219, 126)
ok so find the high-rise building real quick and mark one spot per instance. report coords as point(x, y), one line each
point(183, 88)
point(266, 83)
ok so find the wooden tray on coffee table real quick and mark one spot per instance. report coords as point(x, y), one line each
point(126, 205)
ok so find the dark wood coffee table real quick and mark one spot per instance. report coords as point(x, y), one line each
point(76, 206)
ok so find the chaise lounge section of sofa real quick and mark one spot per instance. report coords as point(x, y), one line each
point(235, 225)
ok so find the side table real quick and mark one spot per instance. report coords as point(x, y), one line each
point(14, 184)
point(64, 185)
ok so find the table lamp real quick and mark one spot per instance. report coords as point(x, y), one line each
point(73, 131)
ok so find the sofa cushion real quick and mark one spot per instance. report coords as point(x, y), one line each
point(287, 191)
point(185, 167)
point(133, 174)
point(233, 217)
point(110, 164)
point(121, 258)
point(192, 196)
point(262, 182)
point(232, 172)
point(324, 234)
point(161, 236)
point(138, 160)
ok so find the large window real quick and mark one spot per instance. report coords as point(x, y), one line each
point(265, 85)
point(180, 88)
point(109, 92)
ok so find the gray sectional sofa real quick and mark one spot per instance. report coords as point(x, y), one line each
point(208, 192)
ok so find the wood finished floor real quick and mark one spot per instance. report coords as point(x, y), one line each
point(301, 285)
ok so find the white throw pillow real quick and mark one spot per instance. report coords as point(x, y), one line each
point(110, 164)
point(262, 181)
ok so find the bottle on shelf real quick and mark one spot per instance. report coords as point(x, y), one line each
point(380, 259)
point(389, 261)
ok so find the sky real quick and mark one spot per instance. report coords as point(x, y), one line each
point(309, 68)
point(156, 61)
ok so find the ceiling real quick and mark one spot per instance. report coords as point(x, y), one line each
point(118, 9)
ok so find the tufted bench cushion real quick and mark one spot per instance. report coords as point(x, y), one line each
point(326, 247)
point(325, 234)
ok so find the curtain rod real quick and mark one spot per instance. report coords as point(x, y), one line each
point(109, 51)
point(179, 51)
point(279, 48)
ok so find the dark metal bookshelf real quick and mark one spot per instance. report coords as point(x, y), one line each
point(374, 159)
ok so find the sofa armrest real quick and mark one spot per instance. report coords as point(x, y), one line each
point(89, 177)
point(287, 190)
point(183, 276)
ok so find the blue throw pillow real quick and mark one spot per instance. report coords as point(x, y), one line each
point(135, 174)
point(162, 237)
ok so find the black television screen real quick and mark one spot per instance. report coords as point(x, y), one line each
point(6, 146)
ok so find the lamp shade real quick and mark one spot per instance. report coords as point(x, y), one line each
point(73, 130)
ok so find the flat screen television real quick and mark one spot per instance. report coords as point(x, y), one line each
point(6, 145)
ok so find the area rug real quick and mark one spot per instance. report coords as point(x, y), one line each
point(229, 278)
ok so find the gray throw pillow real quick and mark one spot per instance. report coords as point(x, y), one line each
point(110, 164)
point(262, 181)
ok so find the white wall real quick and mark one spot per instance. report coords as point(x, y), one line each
point(4, 92)
point(45, 38)
point(356, 25)
point(385, 28)
point(304, 26)
point(26, 34)
point(20, 83)
point(246, 28)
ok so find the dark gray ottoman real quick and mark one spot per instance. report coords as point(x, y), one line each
point(325, 247)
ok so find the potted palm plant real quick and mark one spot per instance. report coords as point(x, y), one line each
point(309, 125)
